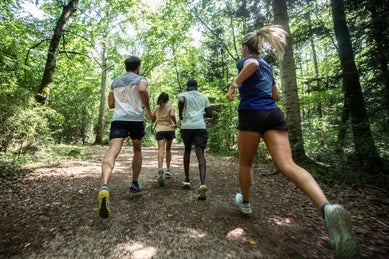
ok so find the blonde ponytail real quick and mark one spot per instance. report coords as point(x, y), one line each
point(272, 35)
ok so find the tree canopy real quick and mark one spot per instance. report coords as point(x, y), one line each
point(57, 66)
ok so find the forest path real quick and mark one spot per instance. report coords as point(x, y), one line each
point(51, 213)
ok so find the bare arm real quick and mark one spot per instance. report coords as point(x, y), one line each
point(208, 112)
point(274, 91)
point(144, 96)
point(172, 114)
point(111, 100)
point(249, 67)
point(181, 104)
point(154, 117)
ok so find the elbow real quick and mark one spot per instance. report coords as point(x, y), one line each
point(111, 105)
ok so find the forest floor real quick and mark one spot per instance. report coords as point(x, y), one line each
point(51, 213)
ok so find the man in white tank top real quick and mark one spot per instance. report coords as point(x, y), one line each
point(128, 94)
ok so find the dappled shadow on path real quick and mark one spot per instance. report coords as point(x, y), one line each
point(51, 213)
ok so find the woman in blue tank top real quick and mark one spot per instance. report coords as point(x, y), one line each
point(260, 117)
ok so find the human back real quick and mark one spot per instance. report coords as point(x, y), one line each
point(128, 104)
point(193, 113)
point(256, 91)
point(163, 117)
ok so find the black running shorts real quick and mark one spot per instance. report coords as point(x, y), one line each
point(168, 135)
point(123, 129)
point(197, 137)
point(261, 121)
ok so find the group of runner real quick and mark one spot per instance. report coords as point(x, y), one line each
point(259, 118)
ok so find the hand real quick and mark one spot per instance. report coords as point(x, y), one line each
point(229, 97)
point(230, 93)
point(150, 115)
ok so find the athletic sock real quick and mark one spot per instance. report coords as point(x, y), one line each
point(104, 187)
point(321, 208)
point(245, 202)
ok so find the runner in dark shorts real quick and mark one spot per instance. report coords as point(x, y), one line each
point(123, 129)
point(261, 121)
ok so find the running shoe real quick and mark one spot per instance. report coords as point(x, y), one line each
point(244, 207)
point(161, 179)
point(103, 210)
point(338, 223)
point(135, 187)
point(202, 192)
point(168, 174)
point(186, 184)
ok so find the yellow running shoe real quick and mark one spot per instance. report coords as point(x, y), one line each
point(202, 192)
point(103, 210)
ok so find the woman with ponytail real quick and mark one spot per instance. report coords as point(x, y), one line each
point(164, 115)
point(261, 118)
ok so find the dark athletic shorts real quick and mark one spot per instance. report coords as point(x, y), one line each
point(198, 137)
point(123, 129)
point(261, 121)
point(168, 135)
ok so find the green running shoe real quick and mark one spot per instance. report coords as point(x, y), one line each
point(343, 240)
point(186, 184)
point(244, 207)
point(161, 179)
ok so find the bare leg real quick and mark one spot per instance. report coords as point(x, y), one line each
point(137, 158)
point(202, 163)
point(247, 144)
point(187, 152)
point(168, 152)
point(115, 145)
point(277, 143)
point(161, 146)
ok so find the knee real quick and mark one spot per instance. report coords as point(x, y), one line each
point(289, 169)
point(247, 162)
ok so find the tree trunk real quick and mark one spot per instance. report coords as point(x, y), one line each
point(363, 140)
point(379, 25)
point(100, 123)
point(289, 85)
point(48, 73)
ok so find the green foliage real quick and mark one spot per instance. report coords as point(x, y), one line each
point(179, 40)
point(11, 165)
point(25, 126)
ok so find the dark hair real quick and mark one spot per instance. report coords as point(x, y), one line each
point(132, 63)
point(163, 98)
point(191, 85)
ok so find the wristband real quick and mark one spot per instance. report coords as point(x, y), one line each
point(234, 84)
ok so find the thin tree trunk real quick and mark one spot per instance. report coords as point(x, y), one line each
point(48, 73)
point(289, 85)
point(100, 123)
point(363, 140)
point(379, 25)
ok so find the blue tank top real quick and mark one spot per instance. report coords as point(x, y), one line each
point(256, 91)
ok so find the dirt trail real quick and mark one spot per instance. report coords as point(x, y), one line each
point(51, 213)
